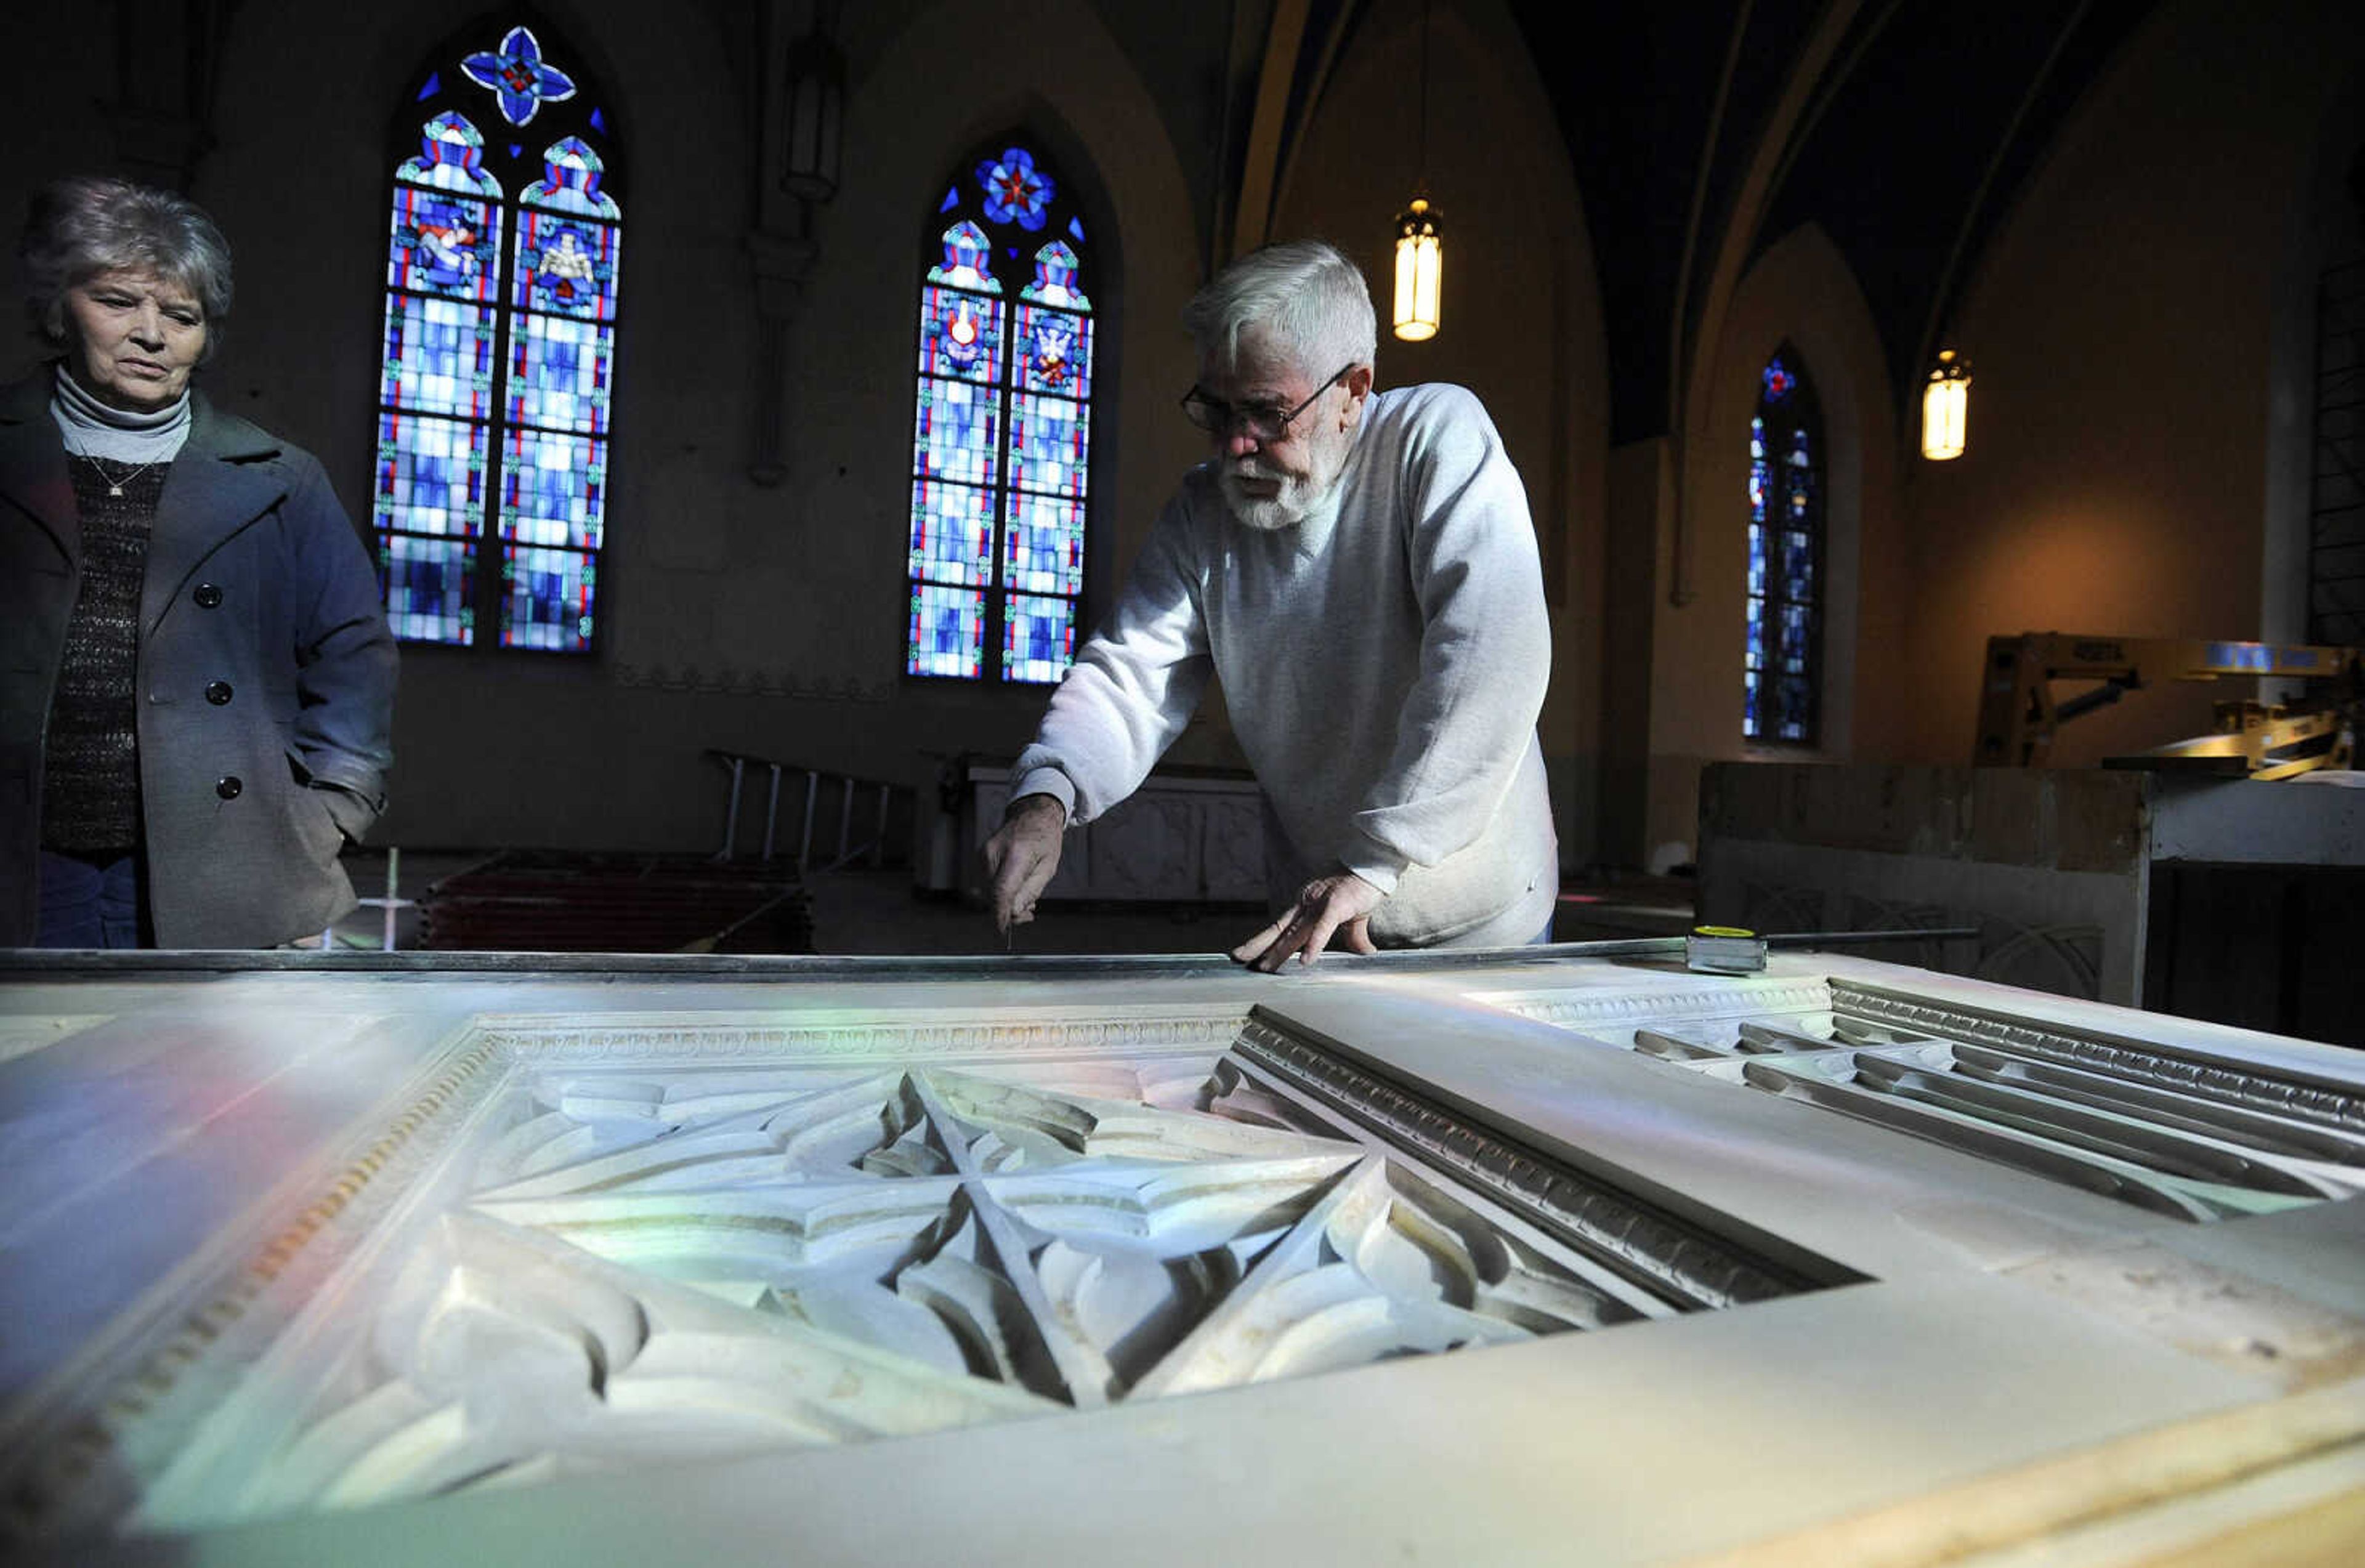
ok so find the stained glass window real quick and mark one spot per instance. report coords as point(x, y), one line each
point(1002, 439)
point(498, 370)
point(1782, 660)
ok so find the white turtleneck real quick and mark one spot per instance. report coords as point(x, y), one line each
point(92, 428)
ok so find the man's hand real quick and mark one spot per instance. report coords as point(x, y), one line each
point(1022, 854)
point(1340, 903)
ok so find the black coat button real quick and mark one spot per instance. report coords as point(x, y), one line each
point(217, 692)
point(207, 596)
point(229, 788)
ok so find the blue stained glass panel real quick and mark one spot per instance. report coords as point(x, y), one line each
point(1047, 443)
point(439, 356)
point(565, 265)
point(1055, 353)
point(1756, 560)
point(1055, 279)
point(1043, 549)
point(571, 172)
point(431, 475)
point(952, 532)
point(1760, 477)
point(559, 373)
point(554, 489)
point(1795, 698)
point(1791, 638)
point(451, 158)
point(960, 335)
point(428, 584)
point(443, 244)
point(958, 436)
point(947, 632)
point(1752, 720)
point(1797, 567)
point(1039, 638)
point(546, 599)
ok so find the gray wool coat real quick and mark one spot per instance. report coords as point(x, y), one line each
point(265, 679)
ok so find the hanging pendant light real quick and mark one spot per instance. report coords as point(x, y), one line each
point(1420, 248)
point(1945, 408)
point(815, 102)
point(1420, 268)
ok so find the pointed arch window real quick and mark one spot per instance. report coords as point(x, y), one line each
point(1782, 678)
point(1002, 444)
point(493, 428)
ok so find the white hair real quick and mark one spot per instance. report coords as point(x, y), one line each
point(1307, 299)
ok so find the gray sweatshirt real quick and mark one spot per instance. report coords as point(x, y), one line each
point(1383, 662)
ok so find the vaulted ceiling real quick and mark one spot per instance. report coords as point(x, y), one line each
point(1905, 128)
point(1700, 129)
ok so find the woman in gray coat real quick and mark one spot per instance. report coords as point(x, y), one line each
point(197, 681)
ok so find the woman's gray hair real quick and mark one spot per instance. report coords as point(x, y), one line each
point(1309, 299)
point(85, 224)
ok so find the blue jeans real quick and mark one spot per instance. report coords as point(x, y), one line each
point(84, 905)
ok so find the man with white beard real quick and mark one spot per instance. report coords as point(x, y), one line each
point(1358, 568)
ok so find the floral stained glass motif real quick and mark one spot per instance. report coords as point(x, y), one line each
point(1016, 190)
point(1002, 433)
point(500, 358)
point(1781, 673)
point(518, 76)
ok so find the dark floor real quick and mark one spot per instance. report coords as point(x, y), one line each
point(878, 911)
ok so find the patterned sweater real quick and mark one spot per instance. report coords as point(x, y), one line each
point(90, 786)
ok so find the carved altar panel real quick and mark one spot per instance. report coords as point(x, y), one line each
point(601, 1264)
point(673, 1268)
point(2113, 1116)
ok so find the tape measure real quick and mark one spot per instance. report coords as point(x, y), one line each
point(1724, 950)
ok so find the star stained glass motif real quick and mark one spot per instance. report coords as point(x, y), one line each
point(1016, 190)
point(518, 76)
point(1002, 430)
point(1782, 627)
point(499, 361)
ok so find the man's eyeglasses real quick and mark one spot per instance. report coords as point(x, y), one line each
point(1262, 421)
